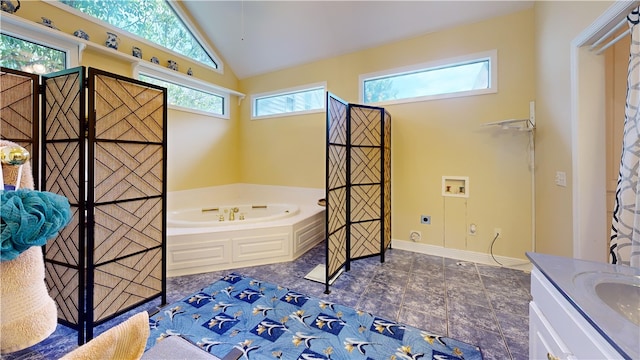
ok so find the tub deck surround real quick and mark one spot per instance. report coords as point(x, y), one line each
point(222, 215)
point(575, 280)
point(241, 243)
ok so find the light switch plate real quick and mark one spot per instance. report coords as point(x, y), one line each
point(561, 178)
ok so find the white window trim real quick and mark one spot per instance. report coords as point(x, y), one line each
point(185, 19)
point(322, 85)
point(177, 78)
point(491, 55)
point(39, 34)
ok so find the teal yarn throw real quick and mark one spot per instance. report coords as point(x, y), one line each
point(30, 218)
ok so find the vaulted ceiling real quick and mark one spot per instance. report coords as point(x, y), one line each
point(256, 37)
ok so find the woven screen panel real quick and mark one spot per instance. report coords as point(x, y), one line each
point(338, 122)
point(127, 227)
point(337, 246)
point(365, 203)
point(128, 111)
point(387, 213)
point(63, 118)
point(63, 169)
point(387, 179)
point(387, 130)
point(366, 165)
point(16, 107)
point(126, 282)
point(366, 126)
point(387, 230)
point(127, 171)
point(365, 239)
point(337, 166)
point(62, 283)
point(337, 208)
point(64, 248)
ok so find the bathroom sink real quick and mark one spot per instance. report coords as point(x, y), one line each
point(622, 298)
point(619, 292)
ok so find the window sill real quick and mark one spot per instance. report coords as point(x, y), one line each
point(198, 112)
point(149, 68)
point(286, 114)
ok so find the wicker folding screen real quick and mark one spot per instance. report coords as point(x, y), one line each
point(358, 184)
point(112, 168)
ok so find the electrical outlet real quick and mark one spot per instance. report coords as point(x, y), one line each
point(425, 219)
point(497, 232)
point(473, 229)
point(415, 235)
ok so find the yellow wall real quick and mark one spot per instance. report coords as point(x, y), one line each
point(430, 139)
point(557, 24)
point(202, 150)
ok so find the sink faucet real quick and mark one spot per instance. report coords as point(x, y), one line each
point(232, 213)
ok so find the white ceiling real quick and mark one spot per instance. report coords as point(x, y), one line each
point(256, 37)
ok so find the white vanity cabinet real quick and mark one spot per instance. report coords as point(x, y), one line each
point(557, 330)
point(544, 342)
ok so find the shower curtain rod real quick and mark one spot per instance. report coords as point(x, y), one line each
point(607, 35)
point(610, 43)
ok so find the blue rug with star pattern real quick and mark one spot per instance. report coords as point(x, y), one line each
point(267, 321)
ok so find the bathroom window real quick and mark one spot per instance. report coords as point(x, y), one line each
point(294, 101)
point(27, 56)
point(464, 76)
point(190, 99)
point(29, 47)
point(159, 22)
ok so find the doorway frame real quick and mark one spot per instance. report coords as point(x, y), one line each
point(588, 135)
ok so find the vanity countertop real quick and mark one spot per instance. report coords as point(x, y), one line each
point(576, 281)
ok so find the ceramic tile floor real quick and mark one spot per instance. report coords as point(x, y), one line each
point(480, 304)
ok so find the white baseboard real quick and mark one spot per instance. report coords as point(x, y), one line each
point(481, 258)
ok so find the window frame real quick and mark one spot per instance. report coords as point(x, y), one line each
point(307, 87)
point(179, 12)
point(491, 55)
point(19, 28)
point(179, 79)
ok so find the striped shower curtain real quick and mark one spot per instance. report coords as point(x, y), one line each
point(625, 228)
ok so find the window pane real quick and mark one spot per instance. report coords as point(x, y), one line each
point(189, 98)
point(434, 81)
point(150, 19)
point(304, 100)
point(30, 57)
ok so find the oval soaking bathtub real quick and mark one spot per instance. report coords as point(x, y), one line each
point(221, 215)
point(275, 224)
